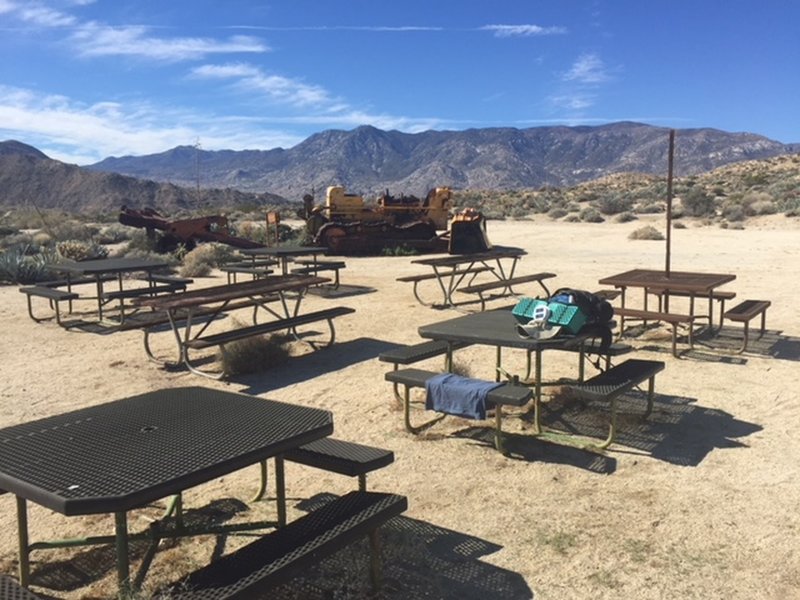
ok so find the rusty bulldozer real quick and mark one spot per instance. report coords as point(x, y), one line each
point(346, 225)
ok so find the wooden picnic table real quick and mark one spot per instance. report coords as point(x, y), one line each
point(450, 271)
point(182, 309)
point(119, 456)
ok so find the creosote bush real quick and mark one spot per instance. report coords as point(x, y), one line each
point(199, 261)
point(254, 354)
point(81, 250)
point(646, 233)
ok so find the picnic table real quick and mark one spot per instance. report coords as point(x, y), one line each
point(675, 283)
point(451, 271)
point(180, 310)
point(102, 269)
point(284, 253)
point(497, 328)
point(115, 457)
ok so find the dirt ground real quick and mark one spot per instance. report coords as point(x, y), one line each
point(700, 501)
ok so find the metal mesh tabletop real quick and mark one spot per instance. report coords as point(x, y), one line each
point(123, 454)
point(492, 328)
point(109, 265)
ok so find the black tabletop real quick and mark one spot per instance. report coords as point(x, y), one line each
point(110, 265)
point(492, 328)
point(284, 250)
point(123, 454)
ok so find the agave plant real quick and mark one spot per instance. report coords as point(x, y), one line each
point(19, 267)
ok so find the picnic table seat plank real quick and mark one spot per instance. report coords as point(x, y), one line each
point(744, 312)
point(52, 294)
point(507, 285)
point(342, 457)
point(275, 557)
point(151, 290)
point(455, 276)
point(616, 381)
point(674, 319)
point(507, 394)
point(720, 296)
point(312, 267)
point(290, 323)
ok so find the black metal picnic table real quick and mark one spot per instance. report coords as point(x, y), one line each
point(285, 253)
point(121, 455)
point(100, 268)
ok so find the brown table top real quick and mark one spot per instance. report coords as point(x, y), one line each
point(495, 253)
point(221, 293)
point(684, 281)
point(109, 265)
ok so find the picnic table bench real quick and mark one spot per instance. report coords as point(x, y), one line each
point(744, 312)
point(511, 394)
point(288, 323)
point(506, 285)
point(674, 319)
point(314, 267)
point(274, 557)
point(11, 590)
point(456, 276)
point(616, 381)
point(54, 295)
point(712, 296)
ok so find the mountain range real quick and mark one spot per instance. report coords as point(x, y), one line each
point(367, 161)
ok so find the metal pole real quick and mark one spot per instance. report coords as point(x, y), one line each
point(669, 198)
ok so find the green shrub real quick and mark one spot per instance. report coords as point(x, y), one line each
point(613, 204)
point(698, 203)
point(650, 209)
point(557, 213)
point(646, 233)
point(625, 217)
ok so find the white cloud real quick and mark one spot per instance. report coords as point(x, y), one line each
point(588, 68)
point(94, 39)
point(276, 87)
point(573, 102)
point(523, 30)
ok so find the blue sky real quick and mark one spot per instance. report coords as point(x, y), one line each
point(86, 79)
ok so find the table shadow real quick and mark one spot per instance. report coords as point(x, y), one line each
point(93, 563)
point(678, 431)
point(313, 364)
point(520, 446)
point(343, 291)
point(420, 560)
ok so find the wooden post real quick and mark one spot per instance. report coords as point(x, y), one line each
point(273, 218)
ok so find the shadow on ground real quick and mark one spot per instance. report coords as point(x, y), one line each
point(420, 561)
point(313, 364)
point(678, 431)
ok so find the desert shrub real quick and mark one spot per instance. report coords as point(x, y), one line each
point(81, 250)
point(6, 230)
point(139, 241)
point(460, 368)
point(253, 231)
point(613, 204)
point(254, 354)
point(647, 232)
point(68, 230)
point(572, 219)
point(764, 207)
point(591, 215)
point(698, 203)
point(114, 234)
point(557, 213)
point(401, 250)
point(733, 211)
point(679, 225)
point(649, 209)
point(625, 217)
point(41, 239)
point(199, 261)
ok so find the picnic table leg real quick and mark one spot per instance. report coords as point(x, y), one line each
point(280, 489)
point(24, 542)
point(123, 566)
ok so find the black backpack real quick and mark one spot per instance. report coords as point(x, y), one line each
point(598, 312)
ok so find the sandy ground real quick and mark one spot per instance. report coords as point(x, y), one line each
point(699, 502)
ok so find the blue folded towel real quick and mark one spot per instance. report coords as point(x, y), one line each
point(457, 395)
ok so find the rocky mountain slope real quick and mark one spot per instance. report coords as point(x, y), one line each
point(368, 160)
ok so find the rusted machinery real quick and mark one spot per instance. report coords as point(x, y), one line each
point(346, 225)
point(184, 231)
